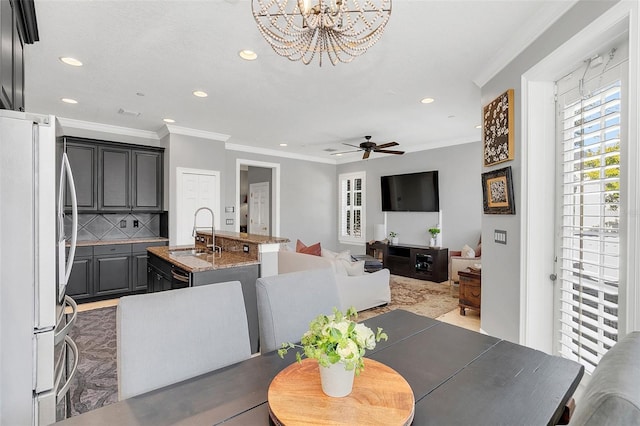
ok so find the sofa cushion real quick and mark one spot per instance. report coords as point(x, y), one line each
point(353, 268)
point(339, 261)
point(313, 249)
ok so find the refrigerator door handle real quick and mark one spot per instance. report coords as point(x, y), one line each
point(66, 170)
point(62, 334)
point(65, 388)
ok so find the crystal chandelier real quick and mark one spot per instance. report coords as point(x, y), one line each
point(341, 29)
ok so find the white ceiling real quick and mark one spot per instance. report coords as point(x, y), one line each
point(167, 49)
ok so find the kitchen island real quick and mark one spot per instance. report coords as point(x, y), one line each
point(239, 257)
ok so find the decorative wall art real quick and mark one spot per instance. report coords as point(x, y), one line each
point(497, 129)
point(497, 192)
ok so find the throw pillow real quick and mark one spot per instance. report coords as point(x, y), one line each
point(479, 250)
point(344, 255)
point(354, 268)
point(468, 251)
point(313, 249)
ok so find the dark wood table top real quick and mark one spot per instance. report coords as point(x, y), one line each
point(458, 377)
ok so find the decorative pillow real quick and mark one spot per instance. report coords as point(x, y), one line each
point(468, 251)
point(345, 255)
point(314, 249)
point(353, 268)
point(479, 250)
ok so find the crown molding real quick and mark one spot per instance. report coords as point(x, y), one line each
point(275, 153)
point(106, 128)
point(194, 132)
point(518, 42)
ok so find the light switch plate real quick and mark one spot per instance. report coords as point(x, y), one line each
point(500, 236)
point(229, 222)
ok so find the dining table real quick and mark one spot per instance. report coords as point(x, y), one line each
point(458, 377)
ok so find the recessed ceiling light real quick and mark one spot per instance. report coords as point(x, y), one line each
point(248, 55)
point(283, 144)
point(200, 94)
point(427, 100)
point(479, 126)
point(71, 61)
point(168, 120)
point(69, 101)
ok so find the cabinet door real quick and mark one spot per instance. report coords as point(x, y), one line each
point(140, 273)
point(18, 70)
point(81, 278)
point(83, 159)
point(7, 24)
point(114, 178)
point(112, 274)
point(147, 181)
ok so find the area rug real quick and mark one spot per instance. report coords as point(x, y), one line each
point(420, 297)
point(95, 384)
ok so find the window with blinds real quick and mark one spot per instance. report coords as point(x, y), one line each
point(589, 246)
point(352, 224)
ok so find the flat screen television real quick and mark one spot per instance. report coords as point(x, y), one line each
point(411, 192)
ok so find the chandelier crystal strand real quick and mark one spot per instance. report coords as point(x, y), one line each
point(341, 29)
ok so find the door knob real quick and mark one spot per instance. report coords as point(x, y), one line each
point(553, 277)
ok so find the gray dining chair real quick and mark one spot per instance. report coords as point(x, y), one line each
point(288, 302)
point(166, 337)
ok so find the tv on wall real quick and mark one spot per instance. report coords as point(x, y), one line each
point(411, 192)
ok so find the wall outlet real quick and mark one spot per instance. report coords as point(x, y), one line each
point(136, 223)
point(123, 223)
point(245, 248)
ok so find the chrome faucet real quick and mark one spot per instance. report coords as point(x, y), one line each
point(213, 231)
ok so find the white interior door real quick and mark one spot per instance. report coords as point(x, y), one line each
point(259, 207)
point(196, 188)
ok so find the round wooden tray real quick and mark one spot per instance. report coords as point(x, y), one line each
point(380, 396)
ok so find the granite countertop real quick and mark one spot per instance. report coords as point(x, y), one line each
point(202, 262)
point(248, 238)
point(87, 243)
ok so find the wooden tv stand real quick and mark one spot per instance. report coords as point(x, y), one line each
point(421, 262)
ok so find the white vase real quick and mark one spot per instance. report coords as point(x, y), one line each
point(433, 242)
point(336, 380)
point(394, 241)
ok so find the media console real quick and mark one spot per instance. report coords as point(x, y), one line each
point(421, 262)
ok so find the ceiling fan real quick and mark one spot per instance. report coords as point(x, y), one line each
point(368, 147)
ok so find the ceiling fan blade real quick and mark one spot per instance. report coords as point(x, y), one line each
point(345, 152)
point(348, 144)
point(387, 145)
point(366, 155)
point(389, 151)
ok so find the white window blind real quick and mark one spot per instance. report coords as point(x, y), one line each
point(589, 246)
point(352, 202)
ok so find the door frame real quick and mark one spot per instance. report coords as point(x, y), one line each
point(180, 171)
point(275, 192)
point(538, 221)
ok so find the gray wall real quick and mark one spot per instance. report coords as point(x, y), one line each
point(459, 169)
point(501, 263)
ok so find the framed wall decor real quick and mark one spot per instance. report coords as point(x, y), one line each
point(497, 192)
point(497, 129)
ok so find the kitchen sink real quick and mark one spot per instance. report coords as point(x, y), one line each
point(189, 252)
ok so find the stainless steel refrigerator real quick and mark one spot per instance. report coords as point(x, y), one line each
point(35, 347)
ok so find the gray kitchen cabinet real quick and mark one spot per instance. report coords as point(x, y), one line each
point(83, 159)
point(139, 262)
point(80, 284)
point(146, 191)
point(114, 178)
point(17, 28)
point(112, 269)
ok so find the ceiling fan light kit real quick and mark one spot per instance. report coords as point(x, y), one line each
point(341, 29)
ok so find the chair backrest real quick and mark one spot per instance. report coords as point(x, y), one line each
point(288, 302)
point(170, 336)
point(613, 393)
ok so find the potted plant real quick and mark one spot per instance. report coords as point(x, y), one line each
point(338, 343)
point(394, 237)
point(434, 235)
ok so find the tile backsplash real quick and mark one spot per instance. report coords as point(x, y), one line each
point(116, 226)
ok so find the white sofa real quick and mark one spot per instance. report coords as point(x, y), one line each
point(360, 291)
